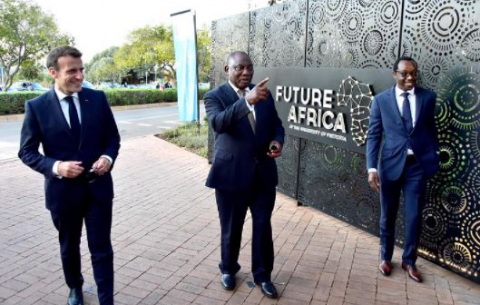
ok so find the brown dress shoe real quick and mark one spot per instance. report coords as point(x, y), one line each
point(412, 272)
point(386, 267)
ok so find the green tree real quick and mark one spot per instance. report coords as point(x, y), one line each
point(103, 68)
point(204, 56)
point(147, 47)
point(30, 70)
point(26, 34)
point(150, 46)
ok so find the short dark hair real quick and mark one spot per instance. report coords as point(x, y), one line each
point(55, 54)
point(408, 58)
point(232, 55)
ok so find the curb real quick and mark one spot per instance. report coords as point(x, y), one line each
point(19, 117)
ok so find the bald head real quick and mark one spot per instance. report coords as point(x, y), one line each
point(239, 69)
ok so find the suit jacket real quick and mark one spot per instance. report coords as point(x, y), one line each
point(45, 124)
point(238, 150)
point(386, 121)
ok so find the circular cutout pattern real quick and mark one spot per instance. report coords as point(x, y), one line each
point(441, 27)
point(457, 255)
point(461, 89)
point(470, 46)
point(335, 8)
point(317, 14)
point(414, 7)
point(372, 42)
point(433, 68)
point(471, 230)
point(433, 225)
point(352, 26)
point(388, 15)
point(442, 114)
point(452, 156)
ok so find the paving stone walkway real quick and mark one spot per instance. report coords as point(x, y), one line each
point(166, 242)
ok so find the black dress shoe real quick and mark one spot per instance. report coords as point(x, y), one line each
point(228, 281)
point(268, 289)
point(75, 297)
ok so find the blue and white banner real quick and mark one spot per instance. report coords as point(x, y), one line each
point(184, 38)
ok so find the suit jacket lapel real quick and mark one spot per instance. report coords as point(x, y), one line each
point(56, 111)
point(83, 110)
point(418, 104)
point(392, 102)
point(233, 97)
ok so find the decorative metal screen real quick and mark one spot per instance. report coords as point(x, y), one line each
point(444, 37)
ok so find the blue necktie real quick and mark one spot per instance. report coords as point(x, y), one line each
point(407, 113)
point(74, 121)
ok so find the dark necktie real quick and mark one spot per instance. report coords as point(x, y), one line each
point(74, 121)
point(251, 118)
point(407, 113)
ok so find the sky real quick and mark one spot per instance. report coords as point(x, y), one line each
point(97, 25)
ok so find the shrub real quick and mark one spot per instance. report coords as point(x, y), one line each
point(122, 97)
point(13, 102)
point(187, 135)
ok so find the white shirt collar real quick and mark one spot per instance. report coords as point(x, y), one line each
point(236, 89)
point(62, 95)
point(399, 91)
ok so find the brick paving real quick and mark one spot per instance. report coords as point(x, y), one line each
point(166, 242)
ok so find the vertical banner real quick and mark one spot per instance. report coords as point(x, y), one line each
point(185, 42)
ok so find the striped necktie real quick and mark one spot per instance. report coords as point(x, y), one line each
point(251, 118)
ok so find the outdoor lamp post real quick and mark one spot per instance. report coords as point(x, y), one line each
point(156, 69)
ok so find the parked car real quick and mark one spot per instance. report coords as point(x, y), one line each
point(110, 85)
point(26, 86)
point(87, 84)
point(203, 86)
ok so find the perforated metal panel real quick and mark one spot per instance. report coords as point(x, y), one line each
point(444, 37)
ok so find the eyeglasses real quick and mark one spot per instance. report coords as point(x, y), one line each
point(406, 74)
point(241, 68)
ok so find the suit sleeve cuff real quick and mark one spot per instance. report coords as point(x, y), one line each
point(108, 158)
point(248, 105)
point(55, 169)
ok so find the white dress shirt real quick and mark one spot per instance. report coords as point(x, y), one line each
point(65, 108)
point(413, 109)
point(65, 105)
point(247, 90)
point(413, 106)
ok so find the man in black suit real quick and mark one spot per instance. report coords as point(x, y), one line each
point(80, 143)
point(248, 137)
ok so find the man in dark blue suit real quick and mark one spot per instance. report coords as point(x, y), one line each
point(80, 143)
point(404, 116)
point(248, 137)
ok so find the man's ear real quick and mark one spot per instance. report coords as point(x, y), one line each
point(225, 68)
point(53, 73)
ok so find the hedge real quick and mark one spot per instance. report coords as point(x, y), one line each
point(13, 102)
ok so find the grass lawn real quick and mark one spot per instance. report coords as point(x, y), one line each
point(189, 136)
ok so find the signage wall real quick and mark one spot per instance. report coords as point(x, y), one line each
point(335, 39)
